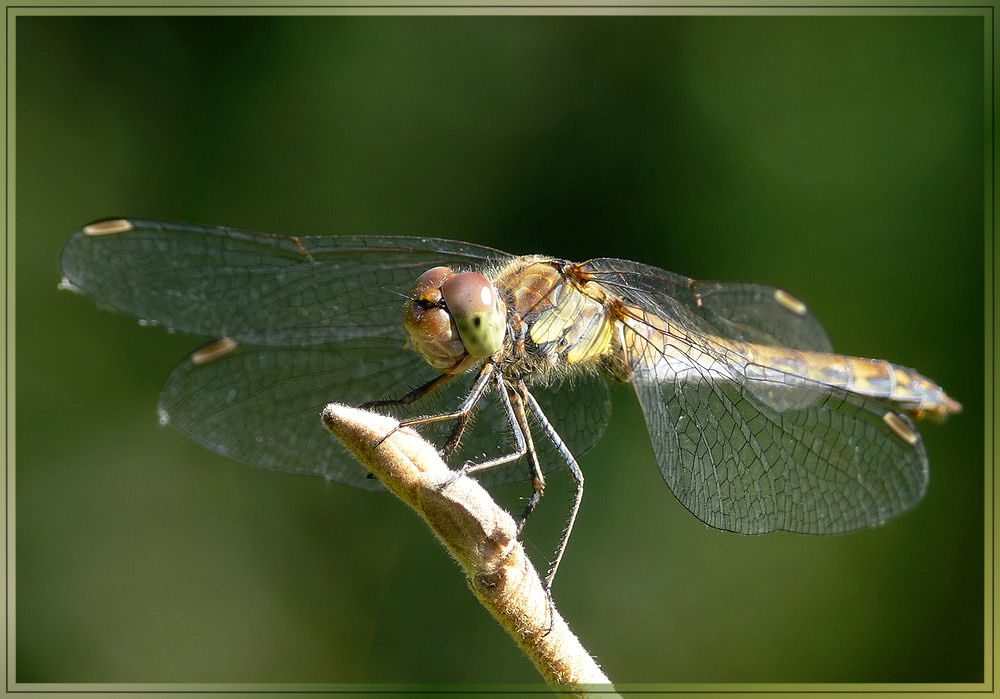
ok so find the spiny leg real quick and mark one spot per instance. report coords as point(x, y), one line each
point(470, 400)
point(416, 394)
point(467, 405)
point(575, 472)
point(515, 428)
point(517, 419)
point(456, 434)
point(482, 381)
point(537, 477)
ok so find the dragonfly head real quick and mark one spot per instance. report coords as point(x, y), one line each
point(454, 320)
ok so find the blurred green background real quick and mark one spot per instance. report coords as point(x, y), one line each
point(840, 158)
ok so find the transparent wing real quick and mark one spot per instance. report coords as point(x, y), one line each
point(743, 312)
point(262, 405)
point(256, 288)
point(826, 462)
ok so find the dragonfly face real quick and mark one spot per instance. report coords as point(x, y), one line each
point(755, 423)
point(454, 320)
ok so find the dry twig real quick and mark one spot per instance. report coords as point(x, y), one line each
point(479, 534)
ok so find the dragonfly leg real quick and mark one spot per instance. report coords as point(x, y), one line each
point(410, 397)
point(467, 405)
point(464, 410)
point(515, 427)
point(537, 477)
point(575, 472)
point(456, 434)
point(518, 421)
point(519, 437)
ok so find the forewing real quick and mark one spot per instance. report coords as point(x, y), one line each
point(743, 312)
point(256, 288)
point(826, 463)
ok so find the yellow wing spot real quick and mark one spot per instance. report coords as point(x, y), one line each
point(300, 246)
point(789, 302)
point(213, 350)
point(899, 426)
point(112, 225)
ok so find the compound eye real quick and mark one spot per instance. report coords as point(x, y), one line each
point(429, 326)
point(478, 312)
point(428, 285)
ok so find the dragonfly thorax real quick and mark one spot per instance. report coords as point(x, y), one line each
point(454, 320)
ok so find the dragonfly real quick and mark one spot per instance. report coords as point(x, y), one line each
point(504, 361)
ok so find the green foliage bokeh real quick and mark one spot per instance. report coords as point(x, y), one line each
point(838, 157)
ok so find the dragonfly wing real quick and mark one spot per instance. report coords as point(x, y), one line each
point(742, 312)
point(752, 448)
point(262, 405)
point(823, 465)
point(256, 288)
point(761, 314)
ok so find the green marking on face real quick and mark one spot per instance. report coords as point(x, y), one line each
point(478, 312)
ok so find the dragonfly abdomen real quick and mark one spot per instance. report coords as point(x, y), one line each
point(656, 350)
point(906, 388)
